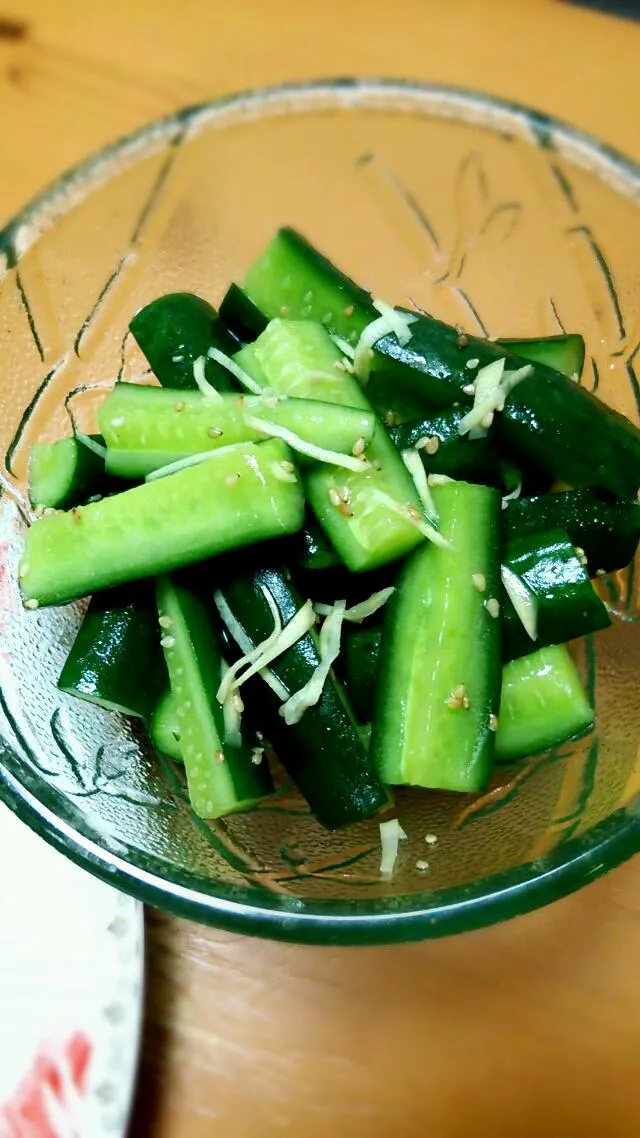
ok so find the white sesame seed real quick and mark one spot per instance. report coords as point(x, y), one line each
point(600, 573)
point(358, 447)
point(469, 389)
point(219, 756)
point(118, 422)
point(493, 607)
point(422, 865)
point(493, 722)
point(32, 603)
point(167, 641)
point(257, 755)
point(214, 432)
point(334, 496)
point(480, 581)
point(438, 479)
point(472, 363)
point(431, 839)
point(165, 621)
point(432, 444)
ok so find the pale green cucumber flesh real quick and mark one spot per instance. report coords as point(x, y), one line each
point(440, 648)
point(221, 779)
point(543, 704)
point(233, 498)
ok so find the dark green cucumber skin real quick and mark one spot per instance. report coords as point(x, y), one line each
point(116, 659)
point(359, 661)
point(84, 475)
point(432, 367)
point(547, 421)
point(457, 456)
point(323, 752)
point(313, 550)
point(184, 325)
point(566, 431)
point(567, 603)
point(294, 279)
point(241, 316)
point(563, 353)
point(606, 529)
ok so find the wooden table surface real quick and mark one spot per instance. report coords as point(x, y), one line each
point(528, 1028)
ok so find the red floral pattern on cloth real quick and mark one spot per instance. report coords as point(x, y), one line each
point(48, 1102)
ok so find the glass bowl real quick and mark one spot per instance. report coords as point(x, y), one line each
point(486, 214)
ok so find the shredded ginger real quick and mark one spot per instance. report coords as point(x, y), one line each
point(269, 649)
point(391, 834)
point(235, 629)
point(307, 696)
point(240, 374)
point(319, 454)
point(206, 389)
point(357, 613)
point(522, 600)
point(91, 444)
point(389, 321)
point(414, 465)
point(492, 385)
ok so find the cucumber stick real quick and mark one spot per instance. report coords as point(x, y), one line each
point(444, 450)
point(548, 422)
point(164, 727)
point(221, 778)
point(543, 704)
point(65, 473)
point(560, 597)
point(605, 529)
point(322, 751)
point(439, 679)
point(293, 280)
point(364, 515)
point(174, 331)
point(116, 660)
point(138, 421)
point(233, 498)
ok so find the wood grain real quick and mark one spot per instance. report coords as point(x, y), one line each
point(528, 1028)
